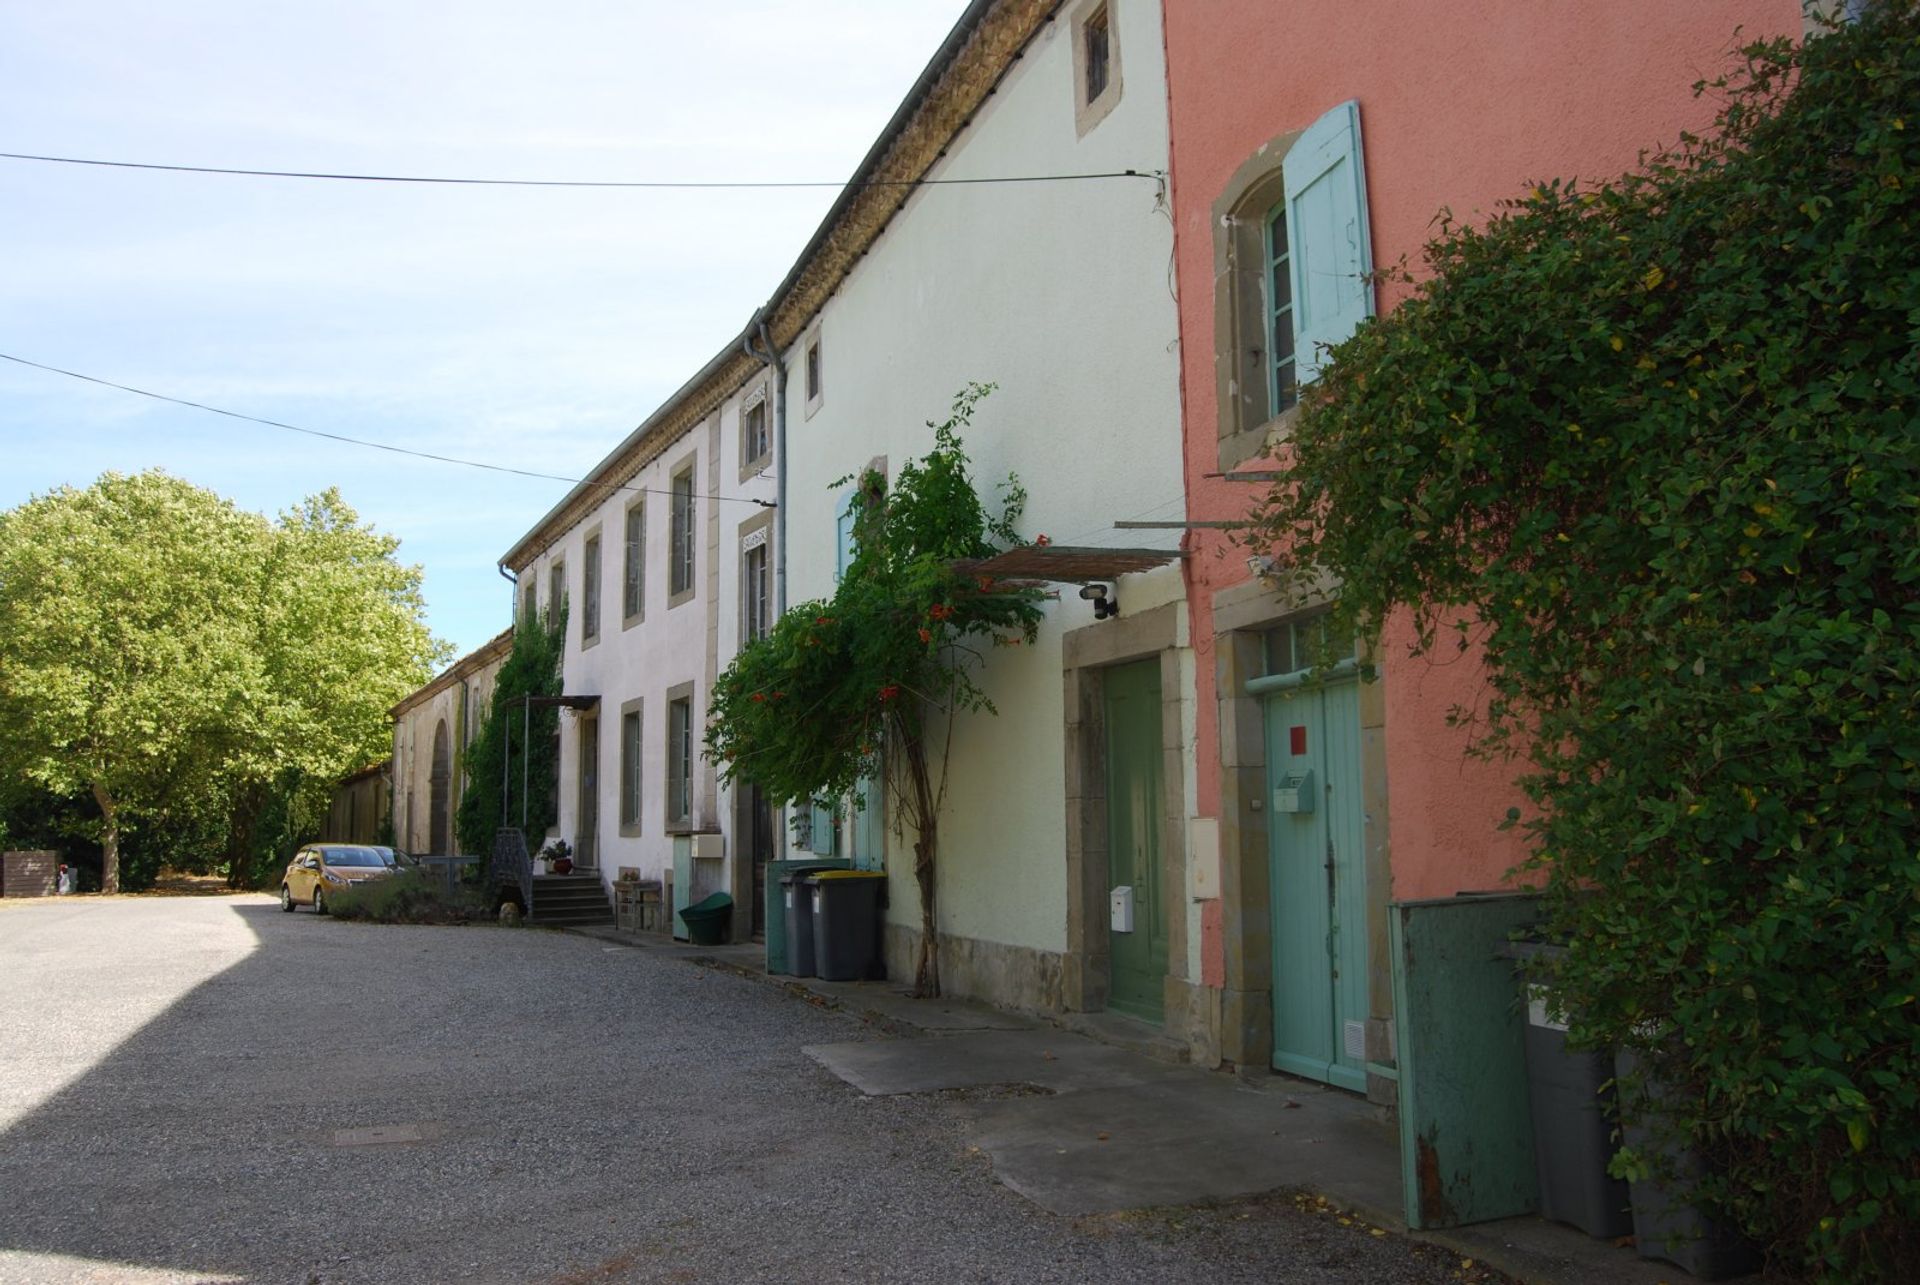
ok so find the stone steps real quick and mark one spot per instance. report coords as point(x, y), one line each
point(570, 900)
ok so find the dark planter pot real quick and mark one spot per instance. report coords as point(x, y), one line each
point(563, 866)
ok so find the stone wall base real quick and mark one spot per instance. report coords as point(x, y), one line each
point(1193, 1018)
point(1018, 978)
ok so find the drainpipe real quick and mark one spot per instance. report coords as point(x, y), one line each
point(506, 758)
point(759, 344)
point(512, 578)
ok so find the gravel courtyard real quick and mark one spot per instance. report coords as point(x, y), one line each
point(206, 1089)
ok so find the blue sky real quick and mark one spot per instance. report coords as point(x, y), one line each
point(531, 328)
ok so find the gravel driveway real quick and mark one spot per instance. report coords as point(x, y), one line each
point(206, 1089)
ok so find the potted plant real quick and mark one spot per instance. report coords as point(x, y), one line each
point(557, 856)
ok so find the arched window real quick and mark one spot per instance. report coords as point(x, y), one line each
point(439, 808)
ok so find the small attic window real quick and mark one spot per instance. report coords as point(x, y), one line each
point(1096, 34)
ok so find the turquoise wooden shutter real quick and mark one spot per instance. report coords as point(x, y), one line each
point(1332, 255)
point(821, 837)
point(843, 545)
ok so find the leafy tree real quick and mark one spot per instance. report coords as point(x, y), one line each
point(192, 668)
point(1650, 447)
point(888, 662)
point(501, 749)
point(341, 639)
point(125, 654)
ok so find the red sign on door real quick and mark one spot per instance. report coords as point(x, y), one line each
point(1297, 740)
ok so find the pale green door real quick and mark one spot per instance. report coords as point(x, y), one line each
point(1138, 958)
point(1319, 884)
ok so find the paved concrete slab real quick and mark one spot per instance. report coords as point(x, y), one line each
point(1055, 1060)
point(1188, 1137)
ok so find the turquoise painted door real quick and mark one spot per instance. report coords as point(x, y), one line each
point(1138, 958)
point(1319, 897)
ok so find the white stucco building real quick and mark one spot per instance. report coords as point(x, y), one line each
point(1052, 281)
point(1059, 292)
point(663, 555)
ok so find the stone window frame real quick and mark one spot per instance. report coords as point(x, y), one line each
point(1248, 427)
point(684, 823)
point(592, 573)
point(687, 467)
point(758, 397)
point(633, 774)
point(1090, 111)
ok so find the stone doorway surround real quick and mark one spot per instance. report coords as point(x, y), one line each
point(1242, 615)
point(1086, 967)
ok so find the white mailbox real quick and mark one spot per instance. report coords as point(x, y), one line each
point(1294, 793)
point(1122, 907)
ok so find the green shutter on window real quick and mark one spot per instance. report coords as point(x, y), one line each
point(821, 842)
point(843, 539)
point(1332, 255)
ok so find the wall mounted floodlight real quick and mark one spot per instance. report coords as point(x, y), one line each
point(1105, 606)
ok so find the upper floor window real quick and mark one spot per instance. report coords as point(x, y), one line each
point(1294, 264)
point(556, 589)
point(1096, 64)
point(528, 603)
point(1096, 33)
point(756, 437)
point(633, 579)
point(590, 590)
point(681, 538)
point(816, 387)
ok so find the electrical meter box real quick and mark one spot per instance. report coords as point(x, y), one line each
point(1294, 793)
point(1121, 904)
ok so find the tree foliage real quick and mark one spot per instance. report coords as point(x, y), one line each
point(867, 684)
point(192, 668)
point(1651, 448)
point(502, 749)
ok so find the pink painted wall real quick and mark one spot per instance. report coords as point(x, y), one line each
point(1461, 106)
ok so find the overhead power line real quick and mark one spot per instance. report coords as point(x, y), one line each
point(360, 441)
point(666, 185)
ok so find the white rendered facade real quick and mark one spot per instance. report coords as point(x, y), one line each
point(1060, 294)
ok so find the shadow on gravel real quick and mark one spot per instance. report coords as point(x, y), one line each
point(319, 1102)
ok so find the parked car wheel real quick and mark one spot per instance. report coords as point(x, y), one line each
point(286, 898)
point(319, 902)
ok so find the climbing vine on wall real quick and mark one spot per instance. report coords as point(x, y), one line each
point(870, 682)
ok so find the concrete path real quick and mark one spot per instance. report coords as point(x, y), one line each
point(1086, 1128)
point(1116, 1130)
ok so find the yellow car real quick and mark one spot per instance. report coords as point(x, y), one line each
point(322, 868)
